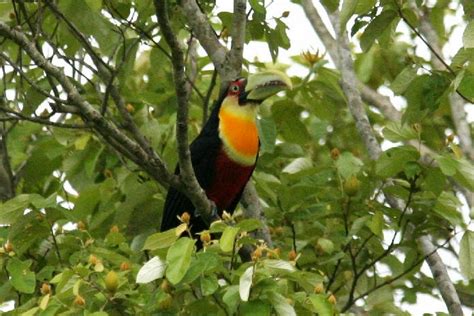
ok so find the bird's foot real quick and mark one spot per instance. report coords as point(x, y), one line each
point(213, 216)
point(214, 213)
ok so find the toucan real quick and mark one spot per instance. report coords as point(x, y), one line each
point(225, 152)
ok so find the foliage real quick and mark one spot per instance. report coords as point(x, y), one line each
point(80, 235)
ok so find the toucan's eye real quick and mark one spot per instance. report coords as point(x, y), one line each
point(235, 88)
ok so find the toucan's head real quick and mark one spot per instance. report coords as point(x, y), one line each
point(238, 113)
point(258, 87)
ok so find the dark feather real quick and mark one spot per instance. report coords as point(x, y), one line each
point(203, 153)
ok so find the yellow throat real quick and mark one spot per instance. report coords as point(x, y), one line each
point(238, 130)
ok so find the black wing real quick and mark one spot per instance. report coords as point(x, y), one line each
point(204, 150)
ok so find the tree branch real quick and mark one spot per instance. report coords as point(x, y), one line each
point(187, 176)
point(7, 184)
point(234, 58)
point(20, 117)
point(368, 94)
point(62, 104)
point(253, 209)
point(205, 34)
point(440, 274)
point(354, 100)
point(153, 164)
point(321, 30)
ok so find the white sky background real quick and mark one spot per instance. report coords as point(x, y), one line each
point(303, 38)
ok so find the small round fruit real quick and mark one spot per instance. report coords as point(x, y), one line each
point(124, 266)
point(45, 288)
point(111, 281)
point(351, 186)
point(205, 237)
point(332, 299)
point(292, 255)
point(319, 288)
point(185, 218)
point(79, 300)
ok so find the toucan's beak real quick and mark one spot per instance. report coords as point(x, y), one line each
point(265, 84)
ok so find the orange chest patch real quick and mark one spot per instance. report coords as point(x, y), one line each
point(239, 133)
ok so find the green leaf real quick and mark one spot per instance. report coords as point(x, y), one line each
point(152, 270)
point(364, 6)
point(209, 284)
point(410, 15)
point(258, 6)
point(462, 56)
point(331, 5)
point(281, 305)
point(394, 160)
point(228, 238)
point(87, 202)
point(348, 165)
point(12, 209)
point(364, 65)
point(326, 245)
point(256, 308)
point(403, 79)
point(35, 98)
point(95, 5)
point(245, 282)
point(160, 240)
point(465, 173)
point(280, 30)
point(267, 132)
point(5, 9)
point(466, 87)
point(447, 206)
point(279, 265)
point(205, 262)
point(468, 36)
point(395, 132)
point(434, 89)
point(249, 224)
point(461, 169)
point(22, 279)
point(286, 114)
point(468, 7)
point(376, 28)
point(434, 181)
point(231, 298)
point(466, 255)
point(297, 165)
point(348, 8)
point(376, 224)
point(447, 165)
point(178, 259)
point(321, 304)
point(358, 224)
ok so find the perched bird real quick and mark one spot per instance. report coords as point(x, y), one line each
point(224, 154)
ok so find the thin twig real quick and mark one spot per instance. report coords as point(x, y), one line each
point(20, 117)
point(390, 281)
point(55, 243)
point(433, 51)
